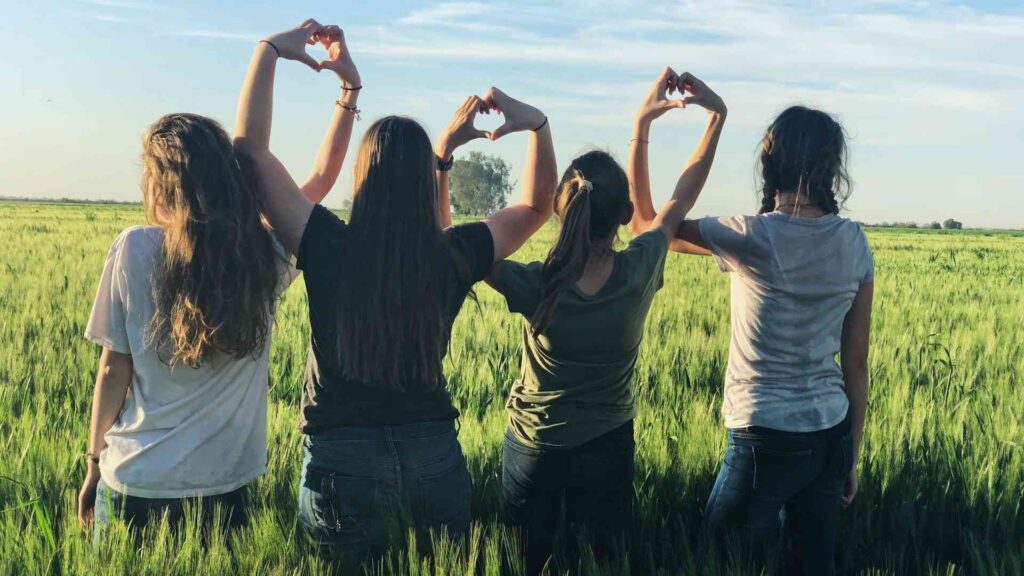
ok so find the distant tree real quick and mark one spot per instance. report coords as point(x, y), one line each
point(950, 224)
point(479, 184)
point(935, 225)
point(346, 205)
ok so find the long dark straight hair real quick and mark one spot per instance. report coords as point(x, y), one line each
point(591, 200)
point(218, 277)
point(804, 151)
point(391, 326)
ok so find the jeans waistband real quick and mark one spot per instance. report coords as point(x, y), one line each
point(380, 433)
point(837, 431)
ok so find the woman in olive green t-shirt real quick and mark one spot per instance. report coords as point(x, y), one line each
point(570, 432)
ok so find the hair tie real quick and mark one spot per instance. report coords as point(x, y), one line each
point(585, 185)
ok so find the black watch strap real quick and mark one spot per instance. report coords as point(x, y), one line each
point(445, 165)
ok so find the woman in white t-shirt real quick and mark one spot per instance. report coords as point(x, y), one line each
point(802, 283)
point(184, 313)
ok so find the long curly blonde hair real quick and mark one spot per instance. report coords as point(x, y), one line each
point(217, 277)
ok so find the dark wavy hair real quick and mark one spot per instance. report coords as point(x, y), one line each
point(590, 201)
point(804, 152)
point(392, 330)
point(217, 277)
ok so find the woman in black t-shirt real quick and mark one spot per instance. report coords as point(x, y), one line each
point(384, 291)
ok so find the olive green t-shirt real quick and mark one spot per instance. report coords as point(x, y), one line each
point(576, 381)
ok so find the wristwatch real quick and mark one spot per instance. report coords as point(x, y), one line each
point(445, 165)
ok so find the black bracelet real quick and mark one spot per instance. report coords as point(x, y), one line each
point(444, 165)
point(542, 124)
point(271, 44)
point(91, 458)
point(360, 87)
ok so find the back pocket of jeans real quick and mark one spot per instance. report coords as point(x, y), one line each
point(779, 473)
point(343, 505)
point(443, 499)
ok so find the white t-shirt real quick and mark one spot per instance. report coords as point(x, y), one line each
point(182, 432)
point(792, 282)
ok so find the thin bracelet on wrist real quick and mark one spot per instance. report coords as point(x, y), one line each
point(644, 140)
point(91, 458)
point(271, 44)
point(352, 109)
point(542, 124)
point(353, 89)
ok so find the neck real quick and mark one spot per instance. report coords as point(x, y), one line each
point(796, 205)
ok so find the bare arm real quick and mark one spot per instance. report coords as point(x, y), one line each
point(287, 209)
point(513, 226)
point(460, 130)
point(694, 175)
point(334, 146)
point(692, 180)
point(113, 377)
point(854, 359)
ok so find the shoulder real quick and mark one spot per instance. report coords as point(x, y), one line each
point(319, 244)
point(473, 241)
point(472, 232)
point(653, 244)
point(741, 225)
point(138, 241)
point(322, 220)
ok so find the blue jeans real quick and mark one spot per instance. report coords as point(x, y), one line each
point(594, 480)
point(138, 512)
point(773, 482)
point(361, 487)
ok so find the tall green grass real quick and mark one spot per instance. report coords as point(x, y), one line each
point(942, 472)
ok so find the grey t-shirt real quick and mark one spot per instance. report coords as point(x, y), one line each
point(792, 282)
point(182, 431)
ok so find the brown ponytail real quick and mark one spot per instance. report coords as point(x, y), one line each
point(590, 201)
point(567, 260)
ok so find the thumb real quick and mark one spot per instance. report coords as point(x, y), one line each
point(481, 134)
point(669, 104)
point(310, 61)
point(690, 100)
point(501, 131)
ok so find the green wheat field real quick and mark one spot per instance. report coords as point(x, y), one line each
point(942, 475)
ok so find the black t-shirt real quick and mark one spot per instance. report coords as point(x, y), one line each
point(332, 400)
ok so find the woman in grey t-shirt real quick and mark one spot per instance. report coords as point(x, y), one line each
point(801, 289)
point(183, 314)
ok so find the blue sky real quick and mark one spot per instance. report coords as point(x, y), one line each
point(930, 92)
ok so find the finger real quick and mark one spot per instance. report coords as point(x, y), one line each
point(501, 131)
point(310, 61)
point(481, 134)
point(480, 105)
point(690, 100)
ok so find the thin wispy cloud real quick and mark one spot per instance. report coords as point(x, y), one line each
point(124, 4)
point(220, 34)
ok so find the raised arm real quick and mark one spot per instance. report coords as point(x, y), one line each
point(511, 227)
point(685, 235)
point(113, 377)
point(854, 360)
point(459, 131)
point(286, 207)
point(334, 146)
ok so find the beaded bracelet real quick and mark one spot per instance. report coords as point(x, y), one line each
point(357, 111)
